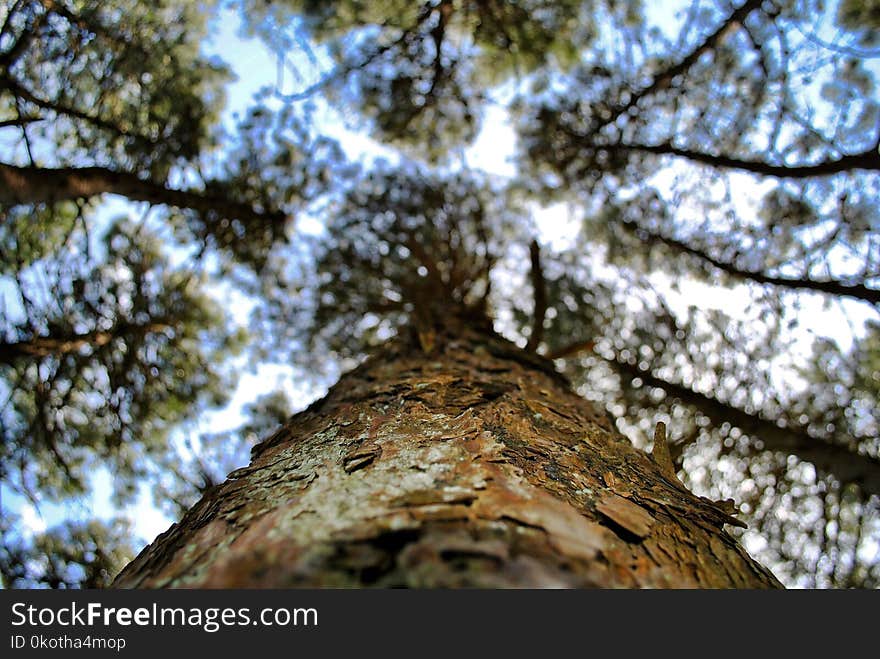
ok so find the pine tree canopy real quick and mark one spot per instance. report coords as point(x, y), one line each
point(676, 202)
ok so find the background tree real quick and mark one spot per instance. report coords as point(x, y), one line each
point(419, 73)
point(105, 346)
point(700, 148)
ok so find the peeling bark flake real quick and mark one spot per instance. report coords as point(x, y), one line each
point(361, 457)
point(626, 514)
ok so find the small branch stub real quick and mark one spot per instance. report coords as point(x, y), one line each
point(661, 455)
point(539, 288)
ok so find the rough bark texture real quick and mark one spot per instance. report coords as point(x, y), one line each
point(463, 462)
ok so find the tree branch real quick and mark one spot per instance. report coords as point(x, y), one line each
point(30, 185)
point(19, 121)
point(869, 160)
point(664, 78)
point(6, 82)
point(539, 291)
point(844, 464)
point(572, 349)
point(42, 346)
point(857, 291)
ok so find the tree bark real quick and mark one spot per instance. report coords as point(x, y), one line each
point(464, 462)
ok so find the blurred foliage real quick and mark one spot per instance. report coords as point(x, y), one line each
point(419, 71)
point(112, 83)
point(71, 555)
point(718, 267)
point(398, 241)
point(108, 356)
point(274, 164)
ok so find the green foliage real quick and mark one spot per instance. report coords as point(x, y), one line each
point(117, 82)
point(110, 357)
point(30, 233)
point(400, 239)
point(701, 149)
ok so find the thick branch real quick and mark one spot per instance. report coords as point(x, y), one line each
point(572, 349)
point(831, 287)
point(30, 185)
point(60, 108)
point(539, 288)
point(19, 121)
point(869, 159)
point(845, 465)
point(44, 346)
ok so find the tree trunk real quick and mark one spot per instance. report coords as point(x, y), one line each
point(449, 459)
